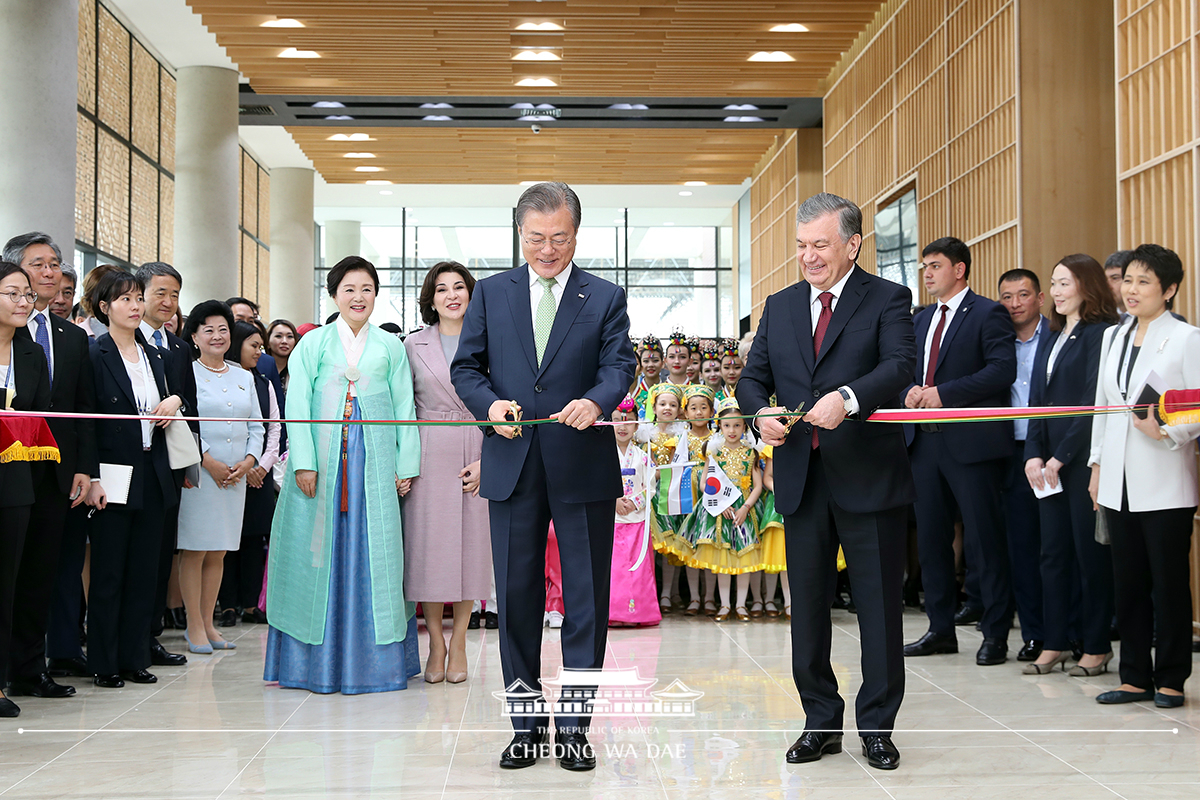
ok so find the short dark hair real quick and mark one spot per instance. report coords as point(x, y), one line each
point(429, 314)
point(546, 198)
point(233, 301)
point(350, 264)
point(332, 318)
point(1020, 274)
point(14, 248)
point(112, 284)
point(10, 267)
point(1118, 259)
point(1096, 298)
point(954, 249)
point(199, 315)
point(1164, 263)
point(69, 272)
point(238, 334)
point(392, 328)
point(151, 269)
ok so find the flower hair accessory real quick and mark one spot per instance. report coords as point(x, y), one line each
point(680, 339)
point(650, 342)
point(729, 347)
point(627, 405)
point(710, 350)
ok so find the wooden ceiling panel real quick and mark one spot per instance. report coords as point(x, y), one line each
point(609, 48)
point(508, 156)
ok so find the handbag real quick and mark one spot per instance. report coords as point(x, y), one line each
point(182, 450)
point(1102, 536)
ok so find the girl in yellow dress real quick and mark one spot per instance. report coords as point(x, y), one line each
point(662, 434)
point(698, 410)
point(774, 554)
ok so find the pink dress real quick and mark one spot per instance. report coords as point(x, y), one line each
point(633, 599)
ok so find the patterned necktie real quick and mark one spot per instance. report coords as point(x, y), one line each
point(935, 347)
point(43, 338)
point(158, 340)
point(545, 317)
point(826, 299)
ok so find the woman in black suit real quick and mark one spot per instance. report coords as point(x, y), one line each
point(130, 378)
point(24, 386)
point(1056, 451)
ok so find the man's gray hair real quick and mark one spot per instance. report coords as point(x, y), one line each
point(14, 249)
point(546, 198)
point(69, 272)
point(849, 215)
point(149, 270)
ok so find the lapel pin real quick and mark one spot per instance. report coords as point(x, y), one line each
point(582, 297)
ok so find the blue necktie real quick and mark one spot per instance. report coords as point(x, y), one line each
point(43, 338)
point(158, 340)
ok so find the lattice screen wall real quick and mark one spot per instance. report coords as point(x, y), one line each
point(255, 228)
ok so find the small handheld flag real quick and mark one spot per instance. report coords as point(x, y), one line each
point(719, 492)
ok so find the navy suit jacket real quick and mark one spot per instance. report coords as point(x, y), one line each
point(976, 366)
point(31, 378)
point(869, 347)
point(1072, 383)
point(588, 355)
point(119, 441)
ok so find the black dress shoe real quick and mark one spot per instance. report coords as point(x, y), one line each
point(74, 666)
point(812, 745)
point(108, 681)
point(8, 708)
point(932, 644)
point(490, 620)
point(473, 623)
point(574, 752)
point(1030, 651)
point(880, 752)
point(228, 618)
point(967, 615)
point(523, 750)
point(254, 616)
point(139, 676)
point(159, 657)
point(993, 651)
point(40, 686)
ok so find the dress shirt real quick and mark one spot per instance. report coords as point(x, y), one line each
point(952, 304)
point(352, 345)
point(31, 323)
point(270, 455)
point(536, 291)
point(815, 312)
point(1026, 353)
point(149, 330)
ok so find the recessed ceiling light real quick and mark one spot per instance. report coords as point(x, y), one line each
point(282, 23)
point(742, 107)
point(350, 137)
point(435, 105)
point(685, 194)
point(539, 26)
point(536, 82)
point(292, 52)
point(536, 55)
point(695, 183)
point(628, 107)
point(385, 192)
point(328, 104)
point(791, 27)
point(339, 116)
point(379, 183)
point(743, 119)
point(359, 155)
point(368, 169)
point(774, 55)
point(436, 118)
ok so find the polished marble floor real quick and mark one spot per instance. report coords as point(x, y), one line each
point(213, 729)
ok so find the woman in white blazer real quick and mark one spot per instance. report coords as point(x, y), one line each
point(1144, 478)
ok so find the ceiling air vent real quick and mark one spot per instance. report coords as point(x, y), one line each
point(256, 111)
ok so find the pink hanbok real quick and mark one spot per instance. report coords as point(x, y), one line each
point(633, 599)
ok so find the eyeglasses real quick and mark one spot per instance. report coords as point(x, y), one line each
point(540, 241)
point(14, 296)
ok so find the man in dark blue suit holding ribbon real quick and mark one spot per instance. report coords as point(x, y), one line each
point(553, 340)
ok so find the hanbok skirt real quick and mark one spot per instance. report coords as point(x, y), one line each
point(348, 660)
point(632, 596)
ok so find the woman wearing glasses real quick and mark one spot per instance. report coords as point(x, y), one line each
point(24, 386)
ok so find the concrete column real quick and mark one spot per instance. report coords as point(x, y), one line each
point(292, 253)
point(343, 237)
point(40, 75)
point(207, 200)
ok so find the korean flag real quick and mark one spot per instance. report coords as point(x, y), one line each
point(719, 492)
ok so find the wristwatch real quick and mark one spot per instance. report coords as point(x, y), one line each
point(847, 404)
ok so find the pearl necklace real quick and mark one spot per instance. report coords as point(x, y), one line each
point(224, 367)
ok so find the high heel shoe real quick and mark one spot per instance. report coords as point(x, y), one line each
point(435, 672)
point(202, 649)
point(1080, 671)
point(456, 677)
point(222, 644)
point(1034, 668)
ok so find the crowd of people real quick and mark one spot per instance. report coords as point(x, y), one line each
point(333, 532)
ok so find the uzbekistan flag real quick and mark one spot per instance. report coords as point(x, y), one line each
point(675, 490)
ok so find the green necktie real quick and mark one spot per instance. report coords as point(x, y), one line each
point(545, 317)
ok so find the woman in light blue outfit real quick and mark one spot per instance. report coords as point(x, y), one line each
point(335, 596)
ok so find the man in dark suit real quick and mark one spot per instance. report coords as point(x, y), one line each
point(966, 357)
point(840, 344)
point(163, 284)
point(555, 340)
point(58, 487)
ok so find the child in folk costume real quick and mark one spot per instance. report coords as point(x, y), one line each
point(710, 366)
point(731, 368)
point(728, 544)
point(650, 363)
point(678, 358)
point(693, 367)
point(663, 432)
point(631, 598)
point(698, 410)
point(770, 533)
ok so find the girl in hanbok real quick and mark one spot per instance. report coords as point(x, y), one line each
point(631, 599)
point(339, 620)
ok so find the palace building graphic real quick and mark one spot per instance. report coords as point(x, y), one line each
point(599, 693)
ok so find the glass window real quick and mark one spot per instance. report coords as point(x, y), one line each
point(897, 253)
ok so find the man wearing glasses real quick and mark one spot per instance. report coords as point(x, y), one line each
point(550, 341)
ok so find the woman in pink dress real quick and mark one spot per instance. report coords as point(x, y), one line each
point(633, 599)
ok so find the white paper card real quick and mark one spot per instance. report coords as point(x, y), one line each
point(114, 479)
point(1047, 491)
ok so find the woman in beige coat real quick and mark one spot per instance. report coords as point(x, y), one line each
point(447, 544)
